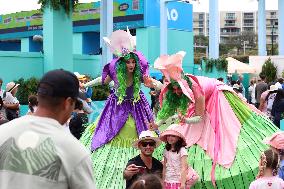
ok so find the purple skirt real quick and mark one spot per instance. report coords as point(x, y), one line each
point(114, 117)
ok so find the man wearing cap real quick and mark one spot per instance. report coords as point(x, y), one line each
point(35, 150)
point(144, 162)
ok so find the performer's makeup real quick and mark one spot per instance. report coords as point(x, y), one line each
point(130, 65)
point(177, 90)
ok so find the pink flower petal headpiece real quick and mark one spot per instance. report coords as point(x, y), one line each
point(171, 67)
point(121, 43)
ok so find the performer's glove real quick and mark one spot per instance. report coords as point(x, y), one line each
point(157, 84)
point(194, 119)
point(111, 84)
point(94, 82)
point(169, 120)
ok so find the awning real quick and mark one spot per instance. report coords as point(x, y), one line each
point(235, 66)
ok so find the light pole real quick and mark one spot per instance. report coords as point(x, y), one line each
point(245, 42)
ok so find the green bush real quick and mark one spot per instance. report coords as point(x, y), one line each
point(100, 92)
point(27, 87)
point(269, 70)
point(221, 64)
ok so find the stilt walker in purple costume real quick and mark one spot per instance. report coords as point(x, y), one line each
point(125, 115)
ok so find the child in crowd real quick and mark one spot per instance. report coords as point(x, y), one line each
point(267, 176)
point(148, 181)
point(276, 143)
point(32, 104)
point(176, 169)
point(79, 118)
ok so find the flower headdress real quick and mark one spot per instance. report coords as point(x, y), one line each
point(121, 43)
point(171, 67)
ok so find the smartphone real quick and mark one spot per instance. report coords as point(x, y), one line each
point(141, 169)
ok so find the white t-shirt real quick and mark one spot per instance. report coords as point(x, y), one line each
point(36, 152)
point(1, 93)
point(267, 183)
point(252, 93)
point(10, 99)
point(173, 165)
point(278, 85)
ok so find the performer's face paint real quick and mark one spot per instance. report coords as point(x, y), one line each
point(130, 65)
point(172, 139)
point(147, 148)
point(177, 90)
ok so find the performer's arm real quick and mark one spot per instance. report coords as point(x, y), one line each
point(194, 119)
point(199, 105)
point(152, 83)
point(170, 119)
point(98, 81)
point(157, 84)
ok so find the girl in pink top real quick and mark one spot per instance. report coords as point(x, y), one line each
point(175, 159)
point(267, 176)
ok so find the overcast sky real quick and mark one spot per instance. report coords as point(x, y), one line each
point(11, 6)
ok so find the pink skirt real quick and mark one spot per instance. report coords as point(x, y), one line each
point(173, 186)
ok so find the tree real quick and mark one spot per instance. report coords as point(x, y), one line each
point(238, 41)
point(201, 40)
point(269, 70)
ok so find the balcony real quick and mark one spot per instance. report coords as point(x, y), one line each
point(230, 33)
point(229, 24)
point(248, 24)
point(230, 18)
point(248, 17)
point(271, 17)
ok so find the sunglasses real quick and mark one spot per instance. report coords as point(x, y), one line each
point(145, 144)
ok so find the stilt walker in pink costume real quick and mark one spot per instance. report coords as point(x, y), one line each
point(223, 133)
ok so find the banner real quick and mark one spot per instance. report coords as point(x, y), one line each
point(129, 12)
point(179, 15)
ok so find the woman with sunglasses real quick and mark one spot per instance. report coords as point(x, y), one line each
point(223, 132)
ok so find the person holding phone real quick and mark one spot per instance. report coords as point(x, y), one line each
point(144, 163)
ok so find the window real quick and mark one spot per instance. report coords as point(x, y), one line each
point(201, 16)
point(230, 15)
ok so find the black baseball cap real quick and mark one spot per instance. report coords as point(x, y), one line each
point(59, 83)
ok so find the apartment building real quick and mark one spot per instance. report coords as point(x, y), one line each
point(233, 23)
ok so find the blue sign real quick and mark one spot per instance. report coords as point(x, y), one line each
point(179, 15)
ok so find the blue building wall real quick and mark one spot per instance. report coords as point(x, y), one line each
point(91, 42)
point(35, 46)
point(10, 46)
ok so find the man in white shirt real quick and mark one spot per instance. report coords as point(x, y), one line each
point(36, 151)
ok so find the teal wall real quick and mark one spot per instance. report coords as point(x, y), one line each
point(15, 65)
point(148, 42)
point(77, 43)
point(87, 64)
point(58, 40)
